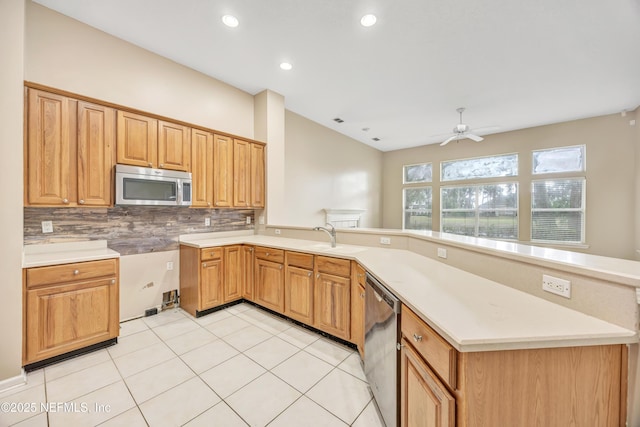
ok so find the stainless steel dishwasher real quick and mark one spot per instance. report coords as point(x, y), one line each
point(381, 355)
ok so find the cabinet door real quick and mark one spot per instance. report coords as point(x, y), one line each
point(222, 171)
point(137, 140)
point(333, 304)
point(298, 297)
point(233, 267)
point(174, 146)
point(357, 307)
point(248, 271)
point(50, 141)
point(241, 172)
point(67, 317)
point(211, 276)
point(256, 198)
point(96, 154)
point(269, 285)
point(202, 168)
point(424, 400)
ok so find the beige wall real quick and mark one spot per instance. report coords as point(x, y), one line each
point(610, 142)
point(325, 169)
point(11, 72)
point(636, 117)
point(66, 54)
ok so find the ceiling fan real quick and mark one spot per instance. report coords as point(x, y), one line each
point(461, 131)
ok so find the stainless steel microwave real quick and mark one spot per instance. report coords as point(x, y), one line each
point(154, 187)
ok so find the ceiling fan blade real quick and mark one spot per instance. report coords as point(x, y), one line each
point(448, 140)
point(476, 138)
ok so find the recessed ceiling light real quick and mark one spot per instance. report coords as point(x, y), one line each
point(286, 66)
point(368, 20)
point(230, 21)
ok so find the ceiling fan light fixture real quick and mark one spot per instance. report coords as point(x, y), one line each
point(368, 20)
point(230, 21)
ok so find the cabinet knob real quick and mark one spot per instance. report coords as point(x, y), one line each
point(417, 337)
point(250, 249)
point(317, 276)
point(65, 200)
point(309, 274)
point(204, 264)
point(267, 254)
point(81, 201)
point(76, 272)
point(208, 203)
point(217, 203)
point(280, 266)
point(362, 295)
point(113, 281)
point(161, 165)
point(150, 164)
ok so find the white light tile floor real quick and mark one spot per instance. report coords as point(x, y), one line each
point(235, 367)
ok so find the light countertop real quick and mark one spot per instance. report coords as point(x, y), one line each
point(66, 253)
point(471, 312)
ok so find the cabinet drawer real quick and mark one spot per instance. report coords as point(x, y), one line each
point(435, 350)
point(300, 260)
point(210, 253)
point(79, 271)
point(337, 266)
point(270, 254)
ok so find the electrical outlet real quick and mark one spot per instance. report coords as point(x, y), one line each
point(556, 286)
point(277, 231)
point(248, 220)
point(47, 226)
point(442, 253)
point(261, 220)
point(170, 265)
point(385, 240)
point(207, 222)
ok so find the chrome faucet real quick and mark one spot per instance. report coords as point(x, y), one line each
point(331, 233)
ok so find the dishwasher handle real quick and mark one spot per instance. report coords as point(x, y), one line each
point(383, 293)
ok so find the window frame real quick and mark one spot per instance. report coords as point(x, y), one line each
point(583, 148)
point(404, 174)
point(516, 175)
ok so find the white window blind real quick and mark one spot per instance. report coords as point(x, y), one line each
point(558, 210)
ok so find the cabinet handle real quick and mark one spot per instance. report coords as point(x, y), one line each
point(113, 281)
point(76, 272)
point(417, 337)
point(65, 200)
point(81, 201)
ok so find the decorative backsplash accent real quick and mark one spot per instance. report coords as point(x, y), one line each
point(130, 229)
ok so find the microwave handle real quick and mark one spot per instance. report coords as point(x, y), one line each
point(179, 192)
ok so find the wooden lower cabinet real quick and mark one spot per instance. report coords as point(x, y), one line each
point(233, 287)
point(248, 260)
point(551, 387)
point(358, 286)
point(298, 287)
point(425, 401)
point(211, 279)
point(332, 296)
point(269, 284)
point(68, 307)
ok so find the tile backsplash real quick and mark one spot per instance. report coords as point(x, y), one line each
point(130, 229)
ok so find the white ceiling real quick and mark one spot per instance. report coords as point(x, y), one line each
point(513, 63)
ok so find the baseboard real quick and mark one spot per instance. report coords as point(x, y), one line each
point(13, 382)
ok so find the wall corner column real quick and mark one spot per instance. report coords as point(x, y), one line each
point(269, 127)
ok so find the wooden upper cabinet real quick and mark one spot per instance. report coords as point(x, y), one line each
point(202, 168)
point(174, 146)
point(222, 171)
point(241, 173)
point(96, 154)
point(256, 196)
point(70, 151)
point(137, 140)
point(50, 139)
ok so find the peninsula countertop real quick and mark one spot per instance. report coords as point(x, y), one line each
point(66, 253)
point(472, 313)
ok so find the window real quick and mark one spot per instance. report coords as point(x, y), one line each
point(485, 210)
point(417, 208)
point(480, 167)
point(563, 159)
point(558, 210)
point(417, 173)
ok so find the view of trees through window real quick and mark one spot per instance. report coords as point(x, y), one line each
point(417, 208)
point(557, 210)
point(487, 210)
